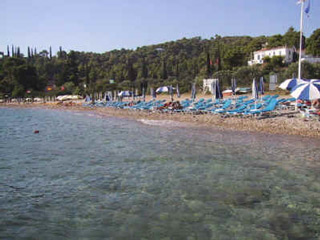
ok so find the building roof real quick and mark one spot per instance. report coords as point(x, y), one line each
point(269, 49)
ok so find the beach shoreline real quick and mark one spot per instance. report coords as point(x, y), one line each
point(289, 124)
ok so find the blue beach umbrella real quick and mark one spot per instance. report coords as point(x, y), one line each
point(218, 90)
point(143, 94)
point(255, 94)
point(307, 91)
point(261, 86)
point(110, 95)
point(291, 83)
point(193, 92)
point(88, 98)
point(153, 93)
point(178, 91)
point(233, 86)
point(213, 88)
point(171, 92)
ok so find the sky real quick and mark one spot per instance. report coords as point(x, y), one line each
point(104, 25)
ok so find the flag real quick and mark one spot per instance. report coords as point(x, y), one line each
point(307, 10)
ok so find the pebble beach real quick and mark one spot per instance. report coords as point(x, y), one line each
point(288, 122)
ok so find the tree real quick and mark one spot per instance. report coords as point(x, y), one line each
point(292, 38)
point(313, 46)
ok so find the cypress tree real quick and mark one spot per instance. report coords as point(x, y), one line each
point(164, 70)
point(50, 52)
point(12, 51)
point(29, 54)
point(18, 51)
point(35, 51)
point(8, 51)
point(209, 70)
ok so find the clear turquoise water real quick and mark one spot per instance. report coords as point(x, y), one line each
point(90, 177)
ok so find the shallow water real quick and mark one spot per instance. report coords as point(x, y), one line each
point(90, 177)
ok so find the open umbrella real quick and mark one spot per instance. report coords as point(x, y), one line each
point(163, 89)
point(291, 83)
point(307, 91)
point(125, 94)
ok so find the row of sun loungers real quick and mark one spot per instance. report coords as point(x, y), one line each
point(241, 106)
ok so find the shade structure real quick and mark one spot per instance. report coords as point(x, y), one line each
point(125, 94)
point(233, 86)
point(178, 91)
point(289, 84)
point(307, 91)
point(255, 94)
point(163, 89)
point(261, 86)
point(193, 91)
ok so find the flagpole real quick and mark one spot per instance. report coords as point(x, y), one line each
point(301, 35)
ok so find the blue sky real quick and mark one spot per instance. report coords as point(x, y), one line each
point(103, 25)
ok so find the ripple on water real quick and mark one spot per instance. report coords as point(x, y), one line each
point(89, 177)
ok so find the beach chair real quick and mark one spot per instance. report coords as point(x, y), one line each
point(268, 109)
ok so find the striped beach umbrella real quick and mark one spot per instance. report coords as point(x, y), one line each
point(163, 89)
point(307, 91)
point(291, 83)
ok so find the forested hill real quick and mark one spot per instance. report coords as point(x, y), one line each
point(177, 62)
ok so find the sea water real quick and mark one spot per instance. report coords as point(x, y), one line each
point(84, 176)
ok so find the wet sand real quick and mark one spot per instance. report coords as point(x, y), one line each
point(288, 122)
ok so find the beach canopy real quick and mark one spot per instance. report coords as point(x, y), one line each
point(164, 89)
point(125, 94)
point(289, 84)
point(307, 91)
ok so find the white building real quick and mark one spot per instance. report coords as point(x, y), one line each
point(207, 85)
point(285, 52)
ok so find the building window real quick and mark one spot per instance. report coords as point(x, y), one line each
point(274, 53)
point(289, 52)
point(258, 57)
